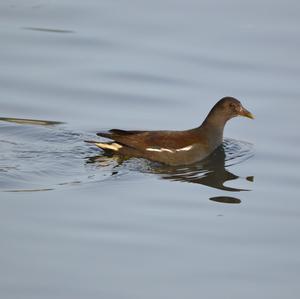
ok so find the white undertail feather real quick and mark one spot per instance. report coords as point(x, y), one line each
point(111, 146)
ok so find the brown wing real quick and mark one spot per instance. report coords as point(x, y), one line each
point(117, 132)
point(141, 140)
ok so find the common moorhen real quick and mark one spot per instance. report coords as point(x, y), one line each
point(175, 147)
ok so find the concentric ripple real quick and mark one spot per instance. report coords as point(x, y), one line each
point(214, 171)
point(39, 156)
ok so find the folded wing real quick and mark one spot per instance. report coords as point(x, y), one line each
point(143, 140)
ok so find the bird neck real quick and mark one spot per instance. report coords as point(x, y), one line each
point(215, 120)
point(213, 126)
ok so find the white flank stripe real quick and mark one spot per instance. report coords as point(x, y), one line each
point(150, 149)
point(184, 149)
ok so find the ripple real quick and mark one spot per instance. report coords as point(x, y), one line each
point(213, 171)
point(37, 155)
point(237, 151)
point(43, 158)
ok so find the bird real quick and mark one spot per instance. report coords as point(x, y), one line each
point(175, 148)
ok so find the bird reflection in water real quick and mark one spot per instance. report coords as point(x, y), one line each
point(210, 172)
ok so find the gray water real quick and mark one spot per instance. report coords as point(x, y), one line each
point(77, 224)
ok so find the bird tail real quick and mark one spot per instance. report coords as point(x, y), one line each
point(113, 146)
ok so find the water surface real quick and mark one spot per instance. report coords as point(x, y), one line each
point(77, 224)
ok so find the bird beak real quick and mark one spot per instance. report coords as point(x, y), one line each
point(244, 112)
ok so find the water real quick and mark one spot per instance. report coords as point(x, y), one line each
point(77, 224)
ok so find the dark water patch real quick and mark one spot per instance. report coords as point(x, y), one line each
point(30, 190)
point(25, 121)
point(50, 30)
point(147, 78)
point(250, 178)
point(226, 199)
